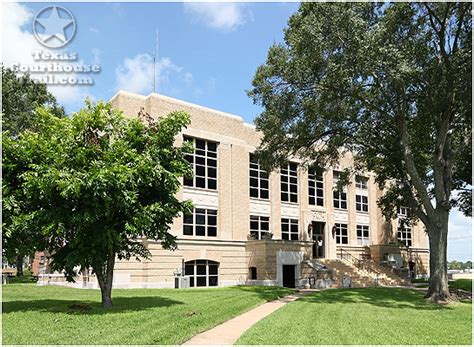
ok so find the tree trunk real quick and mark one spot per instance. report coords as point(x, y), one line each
point(438, 290)
point(19, 266)
point(105, 278)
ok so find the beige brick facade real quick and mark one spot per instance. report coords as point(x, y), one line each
point(231, 248)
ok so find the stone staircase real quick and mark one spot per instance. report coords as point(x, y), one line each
point(330, 273)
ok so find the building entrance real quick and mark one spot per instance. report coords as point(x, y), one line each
point(318, 239)
point(289, 277)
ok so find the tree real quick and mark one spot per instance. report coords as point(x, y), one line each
point(20, 98)
point(389, 82)
point(455, 265)
point(97, 185)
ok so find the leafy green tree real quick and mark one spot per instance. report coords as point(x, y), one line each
point(455, 265)
point(389, 82)
point(20, 98)
point(98, 184)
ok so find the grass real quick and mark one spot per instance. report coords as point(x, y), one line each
point(364, 316)
point(44, 315)
point(22, 279)
point(464, 284)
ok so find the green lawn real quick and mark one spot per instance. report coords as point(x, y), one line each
point(464, 284)
point(364, 316)
point(42, 315)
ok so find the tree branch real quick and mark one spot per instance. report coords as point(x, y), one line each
point(411, 168)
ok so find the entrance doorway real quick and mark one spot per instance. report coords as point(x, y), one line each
point(289, 276)
point(319, 241)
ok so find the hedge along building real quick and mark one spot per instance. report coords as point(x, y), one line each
point(250, 227)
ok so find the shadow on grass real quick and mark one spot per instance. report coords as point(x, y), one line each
point(120, 304)
point(382, 297)
point(268, 293)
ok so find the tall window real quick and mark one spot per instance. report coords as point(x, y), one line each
point(204, 163)
point(339, 197)
point(342, 237)
point(315, 187)
point(361, 182)
point(363, 235)
point(258, 180)
point(362, 203)
point(202, 273)
point(289, 182)
point(289, 229)
point(202, 222)
point(404, 233)
point(259, 226)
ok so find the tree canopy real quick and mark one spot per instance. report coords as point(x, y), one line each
point(390, 82)
point(20, 98)
point(97, 184)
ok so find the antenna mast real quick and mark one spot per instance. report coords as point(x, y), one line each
point(155, 60)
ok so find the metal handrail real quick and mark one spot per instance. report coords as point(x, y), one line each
point(359, 263)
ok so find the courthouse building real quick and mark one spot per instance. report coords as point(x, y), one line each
point(280, 228)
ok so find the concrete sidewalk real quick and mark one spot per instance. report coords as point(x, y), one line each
point(229, 332)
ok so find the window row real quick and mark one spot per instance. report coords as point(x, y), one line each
point(260, 228)
point(342, 234)
point(204, 164)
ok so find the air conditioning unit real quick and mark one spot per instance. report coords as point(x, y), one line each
point(181, 282)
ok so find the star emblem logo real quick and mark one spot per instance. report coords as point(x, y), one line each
point(54, 26)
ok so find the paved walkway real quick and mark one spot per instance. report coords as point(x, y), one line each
point(229, 332)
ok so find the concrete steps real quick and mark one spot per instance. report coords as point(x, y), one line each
point(366, 276)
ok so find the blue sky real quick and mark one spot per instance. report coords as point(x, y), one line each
point(208, 54)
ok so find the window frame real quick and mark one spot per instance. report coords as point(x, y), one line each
point(289, 178)
point(362, 239)
point(315, 187)
point(339, 198)
point(340, 228)
point(259, 231)
point(362, 182)
point(193, 278)
point(361, 204)
point(209, 215)
point(290, 233)
point(405, 233)
point(261, 176)
point(210, 175)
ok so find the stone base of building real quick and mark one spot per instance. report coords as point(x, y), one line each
point(255, 262)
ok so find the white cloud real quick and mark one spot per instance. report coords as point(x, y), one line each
point(224, 16)
point(459, 236)
point(136, 75)
point(18, 45)
point(93, 30)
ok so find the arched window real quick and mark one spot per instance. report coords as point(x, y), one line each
point(202, 273)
